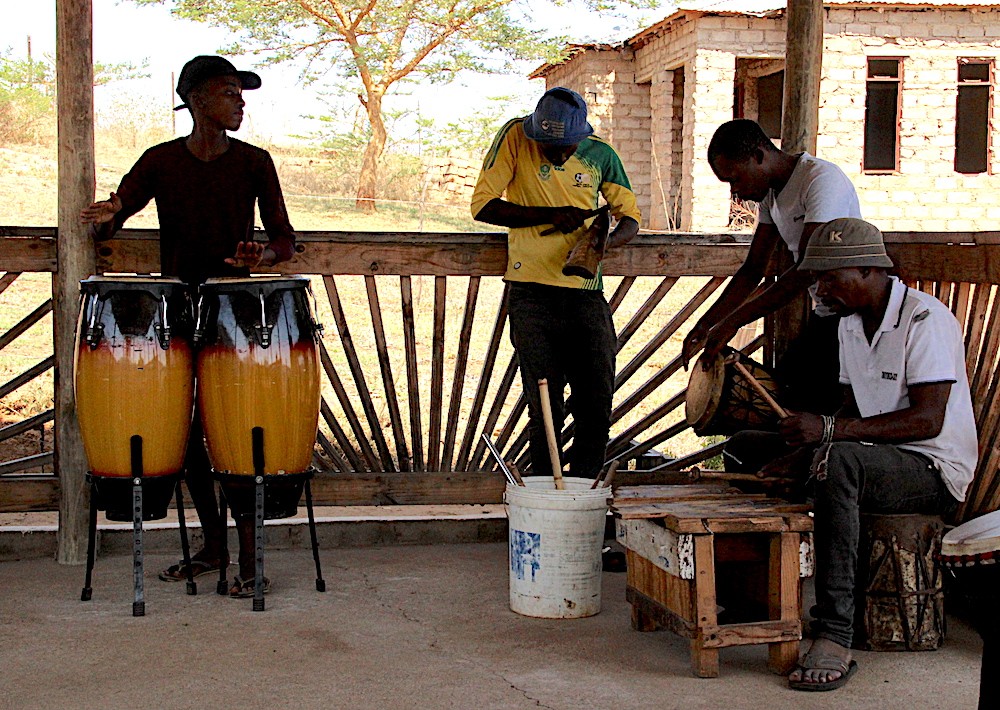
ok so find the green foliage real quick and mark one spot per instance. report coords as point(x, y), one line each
point(28, 94)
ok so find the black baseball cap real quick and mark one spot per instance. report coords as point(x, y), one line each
point(203, 68)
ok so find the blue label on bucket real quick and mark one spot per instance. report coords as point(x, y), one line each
point(524, 553)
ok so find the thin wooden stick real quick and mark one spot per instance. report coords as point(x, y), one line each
point(485, 377)
point(458, 381)
point(494, 415)
point(640, 316)
point(437, 374)
point(550, 434)
point(515, 473)
point(388, 382)
point(412, 373)
point(364, 392)
point(342, 440)
point(604, 481)
point(345, 404)
point(742, 369)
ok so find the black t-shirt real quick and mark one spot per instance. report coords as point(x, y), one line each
point(206, 207)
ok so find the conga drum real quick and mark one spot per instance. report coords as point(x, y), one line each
point(721, 401)
point(969, 555)
point(258, 385)
point(134, 384)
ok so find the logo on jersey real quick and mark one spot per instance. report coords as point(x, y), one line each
point(545, 172)
point(581, 180)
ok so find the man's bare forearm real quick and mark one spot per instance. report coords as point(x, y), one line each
point(789, 284)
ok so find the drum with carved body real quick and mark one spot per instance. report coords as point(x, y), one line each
point(258, 369)
point(970, 554)
point(721, 401)
point(134, 377)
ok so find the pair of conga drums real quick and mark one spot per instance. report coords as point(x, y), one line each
point(136, 357)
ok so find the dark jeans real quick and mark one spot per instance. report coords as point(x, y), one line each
point(861, 478)
point(565, 335)
point(808, 374)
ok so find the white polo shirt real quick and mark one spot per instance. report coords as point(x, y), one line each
point(817, 191)
point(919, 342)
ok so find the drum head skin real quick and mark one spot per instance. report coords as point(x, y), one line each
point(979, 536)
point(704, 391)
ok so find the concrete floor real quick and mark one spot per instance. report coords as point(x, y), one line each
point(420, 626)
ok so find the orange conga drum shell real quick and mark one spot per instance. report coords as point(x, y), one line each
point(247, 379)
point(129, 378)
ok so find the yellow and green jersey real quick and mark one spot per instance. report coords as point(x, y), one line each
point(515, 169)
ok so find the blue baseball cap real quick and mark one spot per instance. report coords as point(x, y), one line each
point(560, 118)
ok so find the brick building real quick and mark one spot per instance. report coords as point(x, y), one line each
point(906, 106)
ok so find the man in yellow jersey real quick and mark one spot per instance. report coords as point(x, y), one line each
point(543, 178)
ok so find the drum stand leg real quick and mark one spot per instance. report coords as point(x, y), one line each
point(88, 591)
point(257, 440)
point(138, 604)
point(222, 587)
point(192, 587)
point(320, 583)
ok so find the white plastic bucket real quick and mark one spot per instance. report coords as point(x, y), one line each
point(554, 542)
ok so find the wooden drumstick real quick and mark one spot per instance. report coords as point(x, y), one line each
point(742, 369)
point(550, 434)
point(553, 230)
point(605, 481)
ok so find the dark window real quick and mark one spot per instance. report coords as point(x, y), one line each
point(882, 115)
point(972, 116)
point(770, 94)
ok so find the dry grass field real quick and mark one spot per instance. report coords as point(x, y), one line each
point(27, 177)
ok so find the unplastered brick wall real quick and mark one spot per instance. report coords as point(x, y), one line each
point(451, 179)
point(926, 194)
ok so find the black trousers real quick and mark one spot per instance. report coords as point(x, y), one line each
point(566, 336)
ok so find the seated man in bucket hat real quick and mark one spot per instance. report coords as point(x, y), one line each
point(904, 441)
point(543, 178)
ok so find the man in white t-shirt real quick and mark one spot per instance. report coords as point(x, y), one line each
point(905, 439)
point(797, 193)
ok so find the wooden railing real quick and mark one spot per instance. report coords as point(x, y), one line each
point(418, 364)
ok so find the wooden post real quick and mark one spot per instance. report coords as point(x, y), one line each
point(75, 258)
point(803, 66)
point(799, 124)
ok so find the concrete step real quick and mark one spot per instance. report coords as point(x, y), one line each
point(33, 535)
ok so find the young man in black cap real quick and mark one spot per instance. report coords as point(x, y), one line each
point(205, 187)
point(904, 440)
point(542, 178)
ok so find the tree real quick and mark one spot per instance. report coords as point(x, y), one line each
point(379, 43)
point(28, 92)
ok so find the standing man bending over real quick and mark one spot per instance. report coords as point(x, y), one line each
point(548, 170)
point(797, 193)
point(205, 187)
point(905, 440)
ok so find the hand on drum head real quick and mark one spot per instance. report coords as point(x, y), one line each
point(717, 340)
point(693, 342)
point(248, 254)
point(101, 212)
point(801, 428)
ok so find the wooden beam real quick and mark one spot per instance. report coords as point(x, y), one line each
point(27, 493)
point(75, 254)
point(803, 66)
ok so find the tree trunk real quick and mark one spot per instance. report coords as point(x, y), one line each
point(367, 180)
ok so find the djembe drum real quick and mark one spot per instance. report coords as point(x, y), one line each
point(970, 555)
point(259, 396)
point(134, 384)
point(722, 401)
